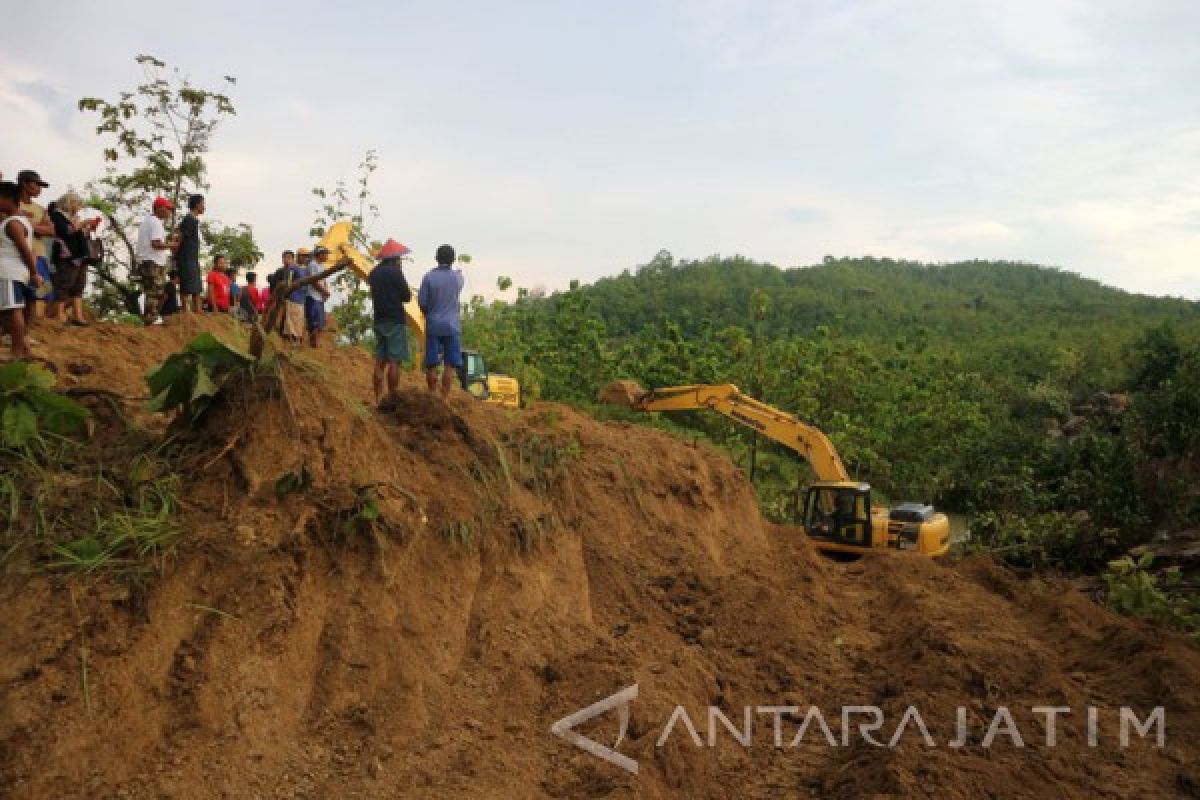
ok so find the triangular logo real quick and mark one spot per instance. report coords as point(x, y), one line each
point(565, 728)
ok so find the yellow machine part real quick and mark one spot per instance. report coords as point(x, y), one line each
point(933, 537)
point(930, 537)
point(504, 391)
point(341, 248)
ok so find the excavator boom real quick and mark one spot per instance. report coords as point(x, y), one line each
point(727, 399)
point(342, 249)
point(838, 512)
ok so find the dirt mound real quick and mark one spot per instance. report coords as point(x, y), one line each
point(400, 604)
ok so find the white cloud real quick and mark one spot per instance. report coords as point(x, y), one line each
point(1063, 132)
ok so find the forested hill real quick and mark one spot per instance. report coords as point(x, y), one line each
point(871, 296)
point(979, 385)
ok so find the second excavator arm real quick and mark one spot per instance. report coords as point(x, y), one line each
point(726, 399)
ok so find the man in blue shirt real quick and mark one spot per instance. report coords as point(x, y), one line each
point(438, 298)
point(318, 293)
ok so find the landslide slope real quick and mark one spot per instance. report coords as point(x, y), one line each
point(444, 581)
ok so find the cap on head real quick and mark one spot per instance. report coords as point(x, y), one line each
point(30, 176)
point(392, 249)
point(320, 249)
point(303, 251)
point(161, 203)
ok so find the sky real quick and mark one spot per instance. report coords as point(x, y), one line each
point(571, 140)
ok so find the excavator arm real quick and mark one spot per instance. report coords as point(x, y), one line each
point(342, 249)
point(779, 426)
point(839, 515)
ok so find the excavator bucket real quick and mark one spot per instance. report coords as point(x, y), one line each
point(622, 393)
point(341, 248)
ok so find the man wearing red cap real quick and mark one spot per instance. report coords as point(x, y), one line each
point(153, 250)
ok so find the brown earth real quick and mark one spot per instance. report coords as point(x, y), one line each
point(523, 565)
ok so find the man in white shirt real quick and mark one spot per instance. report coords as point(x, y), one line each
point(153, 250)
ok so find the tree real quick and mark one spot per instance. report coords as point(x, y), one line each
point(156, 137)
point(353, 314)
point(236, 242)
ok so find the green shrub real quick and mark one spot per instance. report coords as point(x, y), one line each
point(190, 379)
point(30, 409)
point(1131, 588)
point(1050, 540)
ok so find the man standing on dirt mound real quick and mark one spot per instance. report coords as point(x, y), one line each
point(187, 257)
point(153, 250)
point(389, 293)
point(314, 301)
point(438, 298)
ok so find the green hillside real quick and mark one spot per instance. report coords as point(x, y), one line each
point(951, 383)
point(996, 304)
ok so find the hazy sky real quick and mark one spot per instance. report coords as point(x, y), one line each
point(555, 140)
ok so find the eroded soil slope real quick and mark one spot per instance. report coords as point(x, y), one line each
point(520, 566)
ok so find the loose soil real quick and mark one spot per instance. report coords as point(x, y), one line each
point(522, 565)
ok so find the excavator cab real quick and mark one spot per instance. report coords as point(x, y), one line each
point(490, 387)
point(839, 512)
point(473, 374)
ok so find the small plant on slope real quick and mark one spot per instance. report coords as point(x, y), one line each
point(190, 379)
point(30, 410)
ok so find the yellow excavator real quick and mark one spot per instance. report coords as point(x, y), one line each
point(838, 513)
point(473, 375)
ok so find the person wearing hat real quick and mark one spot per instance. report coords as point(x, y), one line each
point(30, 185)
point(389, 293)
point(314, 302)
point(153, 250)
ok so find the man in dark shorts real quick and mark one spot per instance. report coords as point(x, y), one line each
point(438, 297)
point(170, 303)
point(70, 253)
point(187, 257)
point(389, 293)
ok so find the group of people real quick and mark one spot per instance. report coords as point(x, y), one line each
point(186, 289)
point(45, 253)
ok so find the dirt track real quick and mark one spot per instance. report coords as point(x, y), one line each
point(532, 563)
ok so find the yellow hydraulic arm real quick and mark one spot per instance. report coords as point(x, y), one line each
point(726, 399)
point(342, 249)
